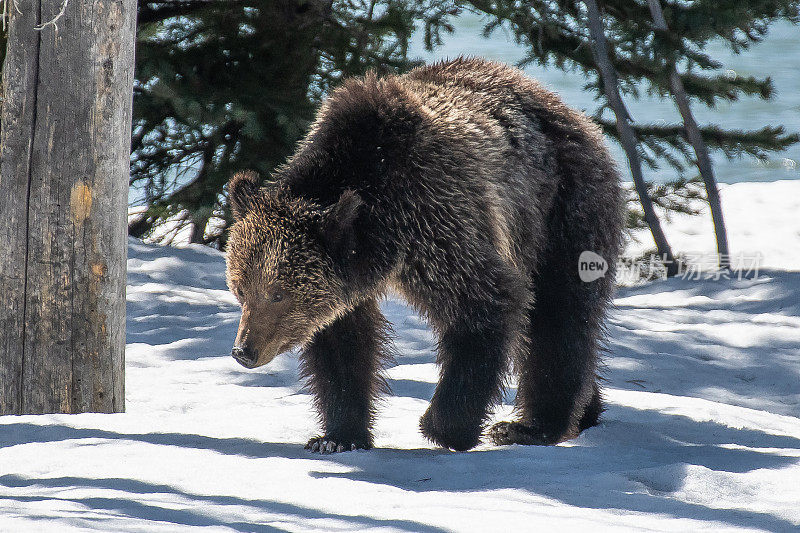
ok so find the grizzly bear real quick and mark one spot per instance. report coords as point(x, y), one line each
point(469, 190)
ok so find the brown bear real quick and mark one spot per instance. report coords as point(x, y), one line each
point(471, 191)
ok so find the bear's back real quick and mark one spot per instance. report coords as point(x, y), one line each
point(467, 132)
point(499, 88)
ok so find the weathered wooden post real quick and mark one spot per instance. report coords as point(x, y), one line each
point(64, 148)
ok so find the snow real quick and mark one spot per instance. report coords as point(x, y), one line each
point(760, 218)
point(701, 432)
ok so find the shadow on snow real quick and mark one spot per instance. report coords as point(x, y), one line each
point(606, 469)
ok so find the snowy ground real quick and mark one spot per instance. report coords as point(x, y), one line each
point(702, 429)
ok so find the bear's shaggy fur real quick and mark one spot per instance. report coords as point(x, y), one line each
point(471, 191)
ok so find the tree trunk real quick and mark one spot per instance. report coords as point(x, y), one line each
point(699, 146)
point(626, 133)
point(63, 193)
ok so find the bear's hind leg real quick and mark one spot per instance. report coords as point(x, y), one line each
point(557, 377)
point(558, 394)
point(343, 364)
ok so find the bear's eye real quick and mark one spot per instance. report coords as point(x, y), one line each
point(239, 294)
point(277, 296)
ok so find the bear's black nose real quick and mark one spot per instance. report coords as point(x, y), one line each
point(244, 356)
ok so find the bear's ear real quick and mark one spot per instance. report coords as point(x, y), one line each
point(336, 227)
point(242, 190)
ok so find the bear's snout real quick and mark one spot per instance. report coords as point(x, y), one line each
point(245, 356)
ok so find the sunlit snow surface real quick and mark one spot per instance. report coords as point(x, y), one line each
point(701, 431)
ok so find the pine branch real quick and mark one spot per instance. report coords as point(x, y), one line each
point(732, 143)
point(162, 10)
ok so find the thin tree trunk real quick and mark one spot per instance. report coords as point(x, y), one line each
point(626, 133)
point(64, 172)
point(199, 223)
point(696, 140)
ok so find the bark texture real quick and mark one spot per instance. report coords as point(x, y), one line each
point(63, 193)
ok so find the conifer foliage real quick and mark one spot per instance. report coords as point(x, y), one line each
point(557, 34)
point(226, 85)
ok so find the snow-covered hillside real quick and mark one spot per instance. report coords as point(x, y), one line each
point(702, 429)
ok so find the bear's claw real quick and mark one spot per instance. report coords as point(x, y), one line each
point(325, 445)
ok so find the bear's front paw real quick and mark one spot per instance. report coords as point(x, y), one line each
point(518, 433)
point(449, 433)
point(324, 444)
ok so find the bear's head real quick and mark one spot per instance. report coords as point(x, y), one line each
point(283, 265)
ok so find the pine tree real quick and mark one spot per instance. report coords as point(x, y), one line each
point(224, 85)
point(627, 136)
point(694, 137)
point(228, 85)
point(643, 57)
